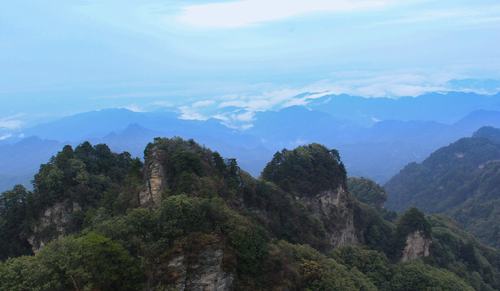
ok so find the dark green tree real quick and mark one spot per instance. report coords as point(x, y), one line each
point(306, 170)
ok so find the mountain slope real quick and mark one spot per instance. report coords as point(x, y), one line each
point(460, 180)
point(189, 219)
point(20, 160)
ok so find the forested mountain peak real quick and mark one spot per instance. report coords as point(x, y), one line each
point(427, 185)
point(489, 132)
point(189, 219)
point(367, 191)
point(176, 166)
point(307, 170)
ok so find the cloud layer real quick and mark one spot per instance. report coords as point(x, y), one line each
point(11, 122)
point(237, 57)
point(243, 13)
point(238, 110)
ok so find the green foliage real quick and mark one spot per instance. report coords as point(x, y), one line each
point(269, 239)
point(306, 170)
point(416, 276)
point(411, 221)
point(83, 175)
point(191, 168)
point(89, 262)
point(481, 212)
point(81, 180)
point(377, 233)
point(317, 272)
point(367, 191)
point(14, 208)
point(371, 263)
point(27, 273)
point(285, 217)
point(149, 233)
point(459, 252)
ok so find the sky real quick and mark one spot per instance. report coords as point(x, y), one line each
point(60, 57)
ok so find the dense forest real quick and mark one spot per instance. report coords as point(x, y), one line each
point(188, 219)
point(461, 180)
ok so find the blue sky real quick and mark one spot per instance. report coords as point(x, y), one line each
point(59, 57)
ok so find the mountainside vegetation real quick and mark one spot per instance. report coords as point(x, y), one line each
point(367, 191)
point(461, 180)
point(188, 219)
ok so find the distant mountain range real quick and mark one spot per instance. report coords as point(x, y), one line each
point(376, 137)
point(440, 107)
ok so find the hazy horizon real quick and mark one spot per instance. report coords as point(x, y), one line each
point(61, 58)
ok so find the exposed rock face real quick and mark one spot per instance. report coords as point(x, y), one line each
point(52, 224)
point(155, 179)
point(199, 271)
point(335, 209)
point(417, 246)
point(315, 175)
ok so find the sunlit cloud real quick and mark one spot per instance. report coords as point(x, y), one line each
point(251, 12)
point(238, 110)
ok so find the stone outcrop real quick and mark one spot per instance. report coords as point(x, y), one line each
point(198, 268)
point(335, 209)
point(417, 246)
point(315, 176)
point(205, 274)
point(52, 224)
point(154, 175)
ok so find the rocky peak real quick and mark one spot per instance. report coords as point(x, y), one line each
point(335, 208)
point(175, 166)
point(414, 233)
point(72, 182)
point(316, 177)
point(53, 222)
point(155, 178)
point(417, 246)
point(196, 264)
point(200, 272)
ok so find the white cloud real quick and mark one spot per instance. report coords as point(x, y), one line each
point(190, 113)
point(5, 136)
point(238, 110)
point(245, 116)
point(11, 122)
point(243, 13)
point(203, 103)
point(392, 85)
point(134, 108)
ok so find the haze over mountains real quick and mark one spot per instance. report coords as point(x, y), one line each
point(250, 145)
point(376, 137)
